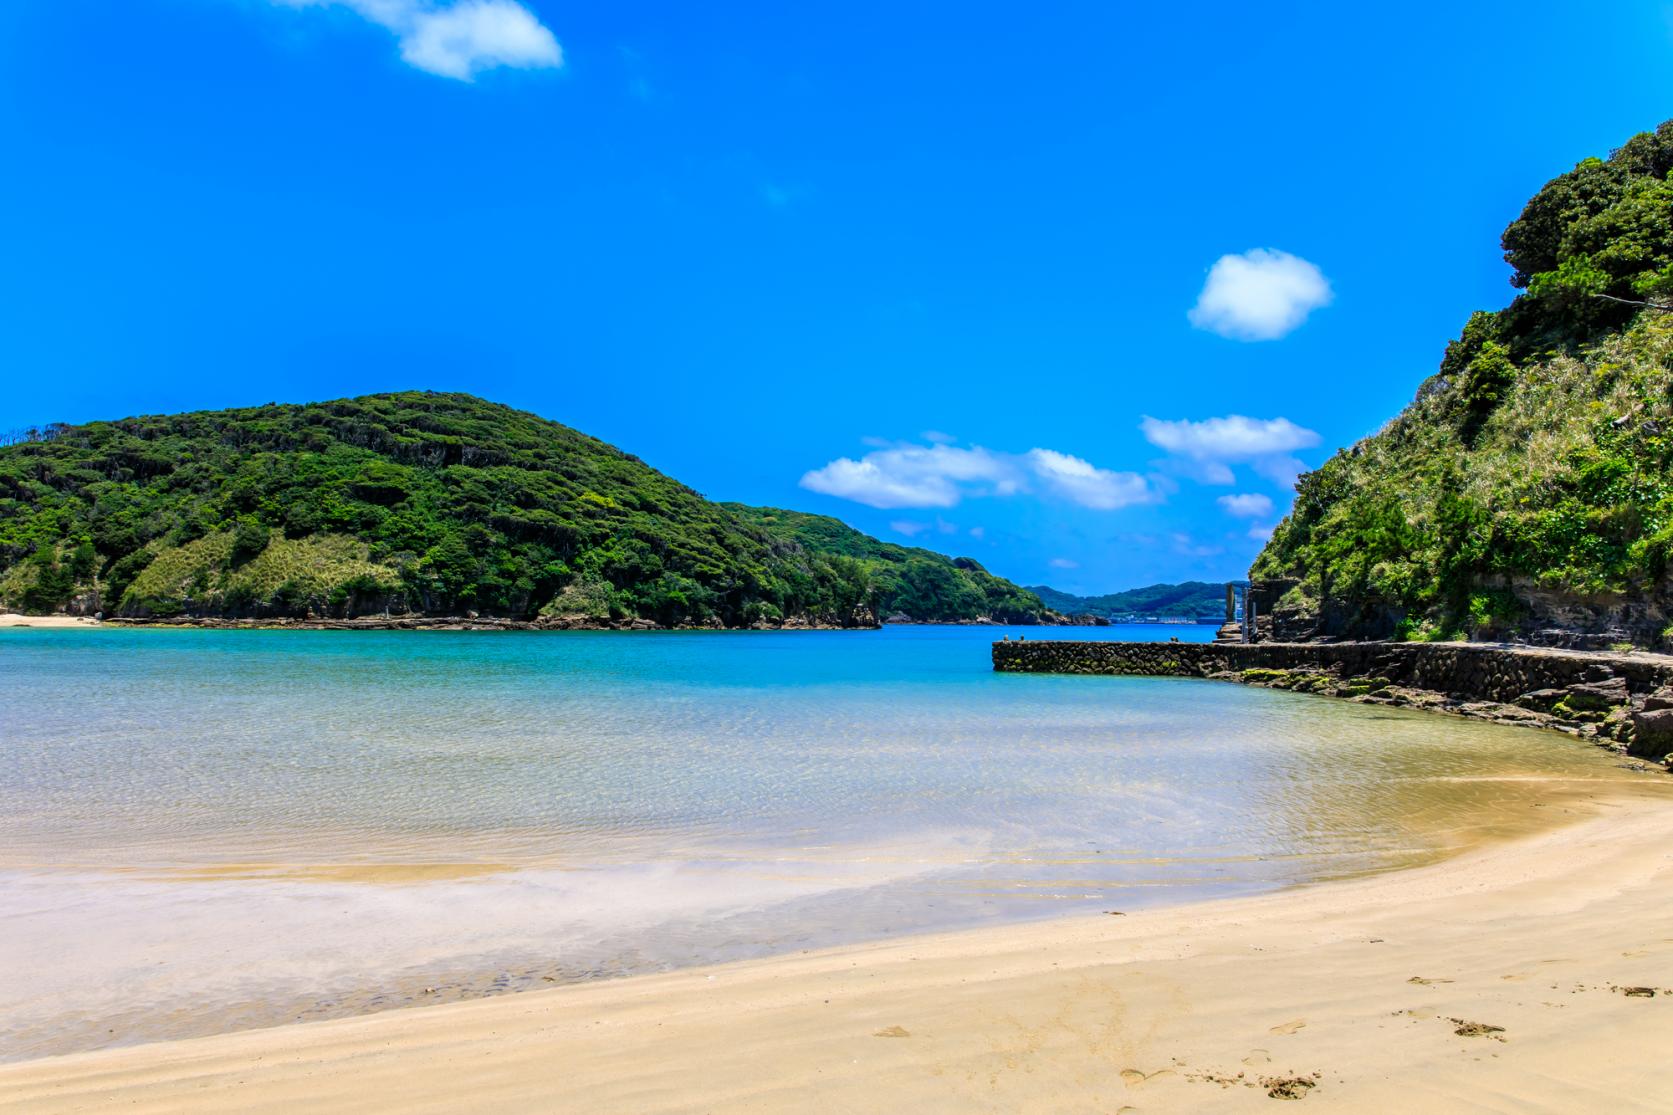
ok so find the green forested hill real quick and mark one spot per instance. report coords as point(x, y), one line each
point(416, 501)
point(906, 580)
point(1204, 599)
point(1530, 483)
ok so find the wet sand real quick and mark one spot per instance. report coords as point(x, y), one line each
point(1525, 976)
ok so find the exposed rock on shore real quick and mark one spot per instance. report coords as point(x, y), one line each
point(1623, 701)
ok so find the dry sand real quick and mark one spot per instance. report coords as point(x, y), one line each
point(1512, 979)
point(12, 619)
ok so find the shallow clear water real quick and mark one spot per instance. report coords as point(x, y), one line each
point(207, 829)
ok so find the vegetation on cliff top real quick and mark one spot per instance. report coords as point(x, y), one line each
point(423, 502)
point(906, 580)
point(1531, 480)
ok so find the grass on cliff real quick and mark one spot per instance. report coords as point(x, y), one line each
point(1566, 489)
point(1537, 464)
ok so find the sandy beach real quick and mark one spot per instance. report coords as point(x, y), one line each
point(13, 619)
point(1527, 976)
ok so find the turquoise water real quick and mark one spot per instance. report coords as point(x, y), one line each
point(300, 824)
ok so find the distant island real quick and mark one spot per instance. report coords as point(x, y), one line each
point(1196, 601)
point(428, 504)
point(1527, 491)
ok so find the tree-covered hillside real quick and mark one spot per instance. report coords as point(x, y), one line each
point(917, 583)
point(1195, 599)
point(417, 502)
point(1530, 483)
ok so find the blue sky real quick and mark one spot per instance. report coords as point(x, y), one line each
point(929, 268)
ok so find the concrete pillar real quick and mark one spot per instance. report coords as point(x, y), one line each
point(1251, 630)
point(1231, 602)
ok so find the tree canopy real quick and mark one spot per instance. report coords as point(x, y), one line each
point(423, 502)
point(1536, 466)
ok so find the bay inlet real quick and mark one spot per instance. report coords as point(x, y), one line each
point(212, 830)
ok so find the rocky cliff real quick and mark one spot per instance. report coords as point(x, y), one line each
point(1527, 490)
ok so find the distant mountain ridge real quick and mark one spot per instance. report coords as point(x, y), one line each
point(1194, 599)
point(428, 504)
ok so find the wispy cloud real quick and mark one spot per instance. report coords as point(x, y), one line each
point(458, 39)
point(908, 527)
point(1260, 295)
point(1063, 563)
point(1247, 505)
point(940, 475)
point(1186, 546)
point(1208, 448)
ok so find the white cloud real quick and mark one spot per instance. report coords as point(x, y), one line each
point(1260, 295)
point(1247, 505)
point(940, 475)
point(1063, 563)
point(913, 476)
point(908, 527)
point(938, 437)
point(1232, 438)
point(978, 532)
point(1261, 534)
point(1080, 482)
point(458, 39)
point(1207, 449)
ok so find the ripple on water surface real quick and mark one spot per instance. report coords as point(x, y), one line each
point(473, 812)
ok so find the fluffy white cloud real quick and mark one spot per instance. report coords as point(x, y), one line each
point(1232, 438)
point(458, 39)
point(914, 476)
point(940, 475)
point(1247, 505)
point(1207, 449)
point(1063, 563)
point(1078, 481)
point(1260, 295)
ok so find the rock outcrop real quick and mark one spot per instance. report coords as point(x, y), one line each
point(1620, 700)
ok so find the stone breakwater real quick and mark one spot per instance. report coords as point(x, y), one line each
point(1624, 701)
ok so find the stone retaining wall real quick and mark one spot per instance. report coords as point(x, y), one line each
point(1616, 698)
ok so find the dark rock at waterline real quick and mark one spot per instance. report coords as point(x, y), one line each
point(1602, 697)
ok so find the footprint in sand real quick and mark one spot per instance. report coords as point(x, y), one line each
point(1289, 1027)
point(1427, 982)
point(893, 1032)
point(1258, 1057)
point(1134, 1078)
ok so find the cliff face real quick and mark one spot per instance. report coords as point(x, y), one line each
point(420, 503)
point(1527, 490)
